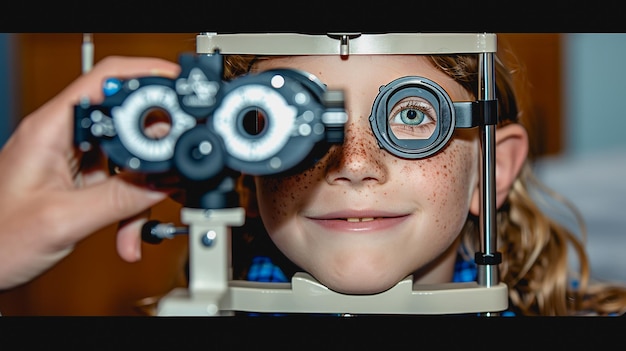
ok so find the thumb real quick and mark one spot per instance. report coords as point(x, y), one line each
point(129, 236)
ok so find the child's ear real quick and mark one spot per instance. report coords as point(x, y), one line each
point(511, 152)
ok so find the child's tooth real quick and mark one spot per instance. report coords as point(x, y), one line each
point(367, 219)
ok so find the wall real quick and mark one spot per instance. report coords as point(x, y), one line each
point(594, 84)
point(8, 95)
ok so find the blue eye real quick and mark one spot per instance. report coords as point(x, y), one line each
point(411, 116)
point(412, 119)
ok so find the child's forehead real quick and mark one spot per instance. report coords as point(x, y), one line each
point(366, 70)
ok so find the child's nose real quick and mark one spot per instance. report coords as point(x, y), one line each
point(358, 160)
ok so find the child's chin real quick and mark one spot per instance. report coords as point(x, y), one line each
point(359, 285)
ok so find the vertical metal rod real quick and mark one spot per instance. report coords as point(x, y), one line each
point(487, 273)
point(87, 50)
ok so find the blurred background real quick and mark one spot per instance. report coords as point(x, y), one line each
point(571, 85)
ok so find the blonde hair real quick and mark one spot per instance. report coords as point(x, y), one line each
point(534, 247)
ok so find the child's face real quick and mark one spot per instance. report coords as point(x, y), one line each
point(362, 219)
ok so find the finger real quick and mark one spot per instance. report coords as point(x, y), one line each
point(90, 85)
point(54, 116)
point(93, 167)
point(128, 240)
point(113, 200)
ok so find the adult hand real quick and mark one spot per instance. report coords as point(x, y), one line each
point(48, 204)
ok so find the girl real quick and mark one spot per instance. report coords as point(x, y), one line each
point(362, 219)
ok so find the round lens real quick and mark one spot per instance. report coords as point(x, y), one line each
point(412, 117)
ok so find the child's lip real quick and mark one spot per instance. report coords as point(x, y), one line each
point(358, 223)
point(344, 215)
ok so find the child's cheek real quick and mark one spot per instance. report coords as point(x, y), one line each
point(280, 196)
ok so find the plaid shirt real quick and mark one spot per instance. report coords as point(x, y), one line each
point(263, 269)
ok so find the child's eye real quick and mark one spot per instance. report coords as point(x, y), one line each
point(412, 118)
